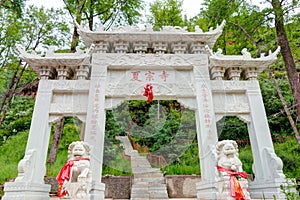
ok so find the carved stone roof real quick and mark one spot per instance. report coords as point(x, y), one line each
point(131, 36)
point(62, 64)
point(52, 59)
point(245, 60)
point(238, 66)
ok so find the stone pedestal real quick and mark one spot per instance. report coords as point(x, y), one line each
point(97, 191)
point(26, 191)
point(206, 190)
point(224, 189)
point(266, 190)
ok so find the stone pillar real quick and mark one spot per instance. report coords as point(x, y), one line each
point(95, 124)
point(29, 185)
point(206, 134)
point(267, 166)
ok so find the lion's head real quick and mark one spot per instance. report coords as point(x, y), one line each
point(78, 149)
point(227, 148)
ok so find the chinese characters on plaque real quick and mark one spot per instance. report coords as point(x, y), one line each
point(147, 76)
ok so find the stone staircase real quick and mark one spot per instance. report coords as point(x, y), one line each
point(148, 182)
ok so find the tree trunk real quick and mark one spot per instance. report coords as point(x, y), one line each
point(285, 108)
point(56, 140)
point(91, 15)
point(78, 16)
point(75, 37)
point(287, 54)
point(7, 98)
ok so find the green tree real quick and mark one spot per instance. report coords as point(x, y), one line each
point(36, 29)
point(166, 13)
point(109, 12)
point(280, 8)
point(15, 6)
point(243, 23)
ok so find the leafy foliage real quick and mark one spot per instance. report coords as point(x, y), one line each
point(187, 164)
point(11, 152)
point(13, 5)
point(232, 128)
point(166, 13)
point(289, 153)
point(277, 119)
point(18, 118)
point(109, 12)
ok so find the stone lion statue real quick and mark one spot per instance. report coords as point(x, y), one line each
point(227, 155)
point(228, 168)
point(75, 177)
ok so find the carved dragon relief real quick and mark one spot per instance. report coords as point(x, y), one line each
point(148, 60)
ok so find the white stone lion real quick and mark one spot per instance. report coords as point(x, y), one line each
point(227, 155)
point(228, 164)
point(79, 182)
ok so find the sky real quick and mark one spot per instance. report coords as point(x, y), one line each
point(190, 7)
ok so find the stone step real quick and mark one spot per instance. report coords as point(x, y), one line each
point(148, 175)
point(141, 165)
point(138, 198)
point(150, 180)
point(139, 187)
point(156, 186)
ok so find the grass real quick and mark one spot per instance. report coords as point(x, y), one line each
point(177, 169)
point(11, 152)
point(187, 164)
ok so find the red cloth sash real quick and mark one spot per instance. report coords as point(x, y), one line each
point(64, 174)
point(235, 187)
point(148, 92)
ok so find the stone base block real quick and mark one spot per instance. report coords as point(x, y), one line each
point(26, 191)
point(266, 190)
point(206, 190)
point(97, 191)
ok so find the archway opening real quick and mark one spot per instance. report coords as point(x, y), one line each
point(232, 128)
point(162, 130)
point(72, 128)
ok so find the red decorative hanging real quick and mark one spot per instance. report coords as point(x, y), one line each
point(148, 92)
point(235, 187)
point(65, 174)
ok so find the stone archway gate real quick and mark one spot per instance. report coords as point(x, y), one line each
point(118, 64)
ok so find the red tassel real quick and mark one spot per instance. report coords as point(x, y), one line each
point(148, 92)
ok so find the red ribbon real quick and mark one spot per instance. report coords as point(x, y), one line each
point(148, 92)
point(235, 187)
point(64, 174)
